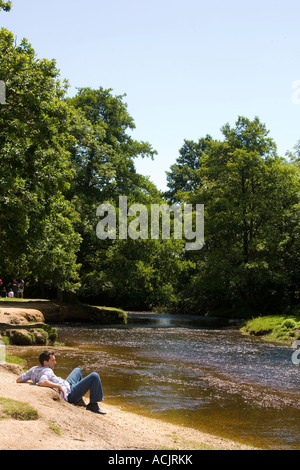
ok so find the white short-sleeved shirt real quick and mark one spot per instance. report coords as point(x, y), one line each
point(38, 374)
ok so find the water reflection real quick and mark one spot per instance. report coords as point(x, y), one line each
point(213, 380)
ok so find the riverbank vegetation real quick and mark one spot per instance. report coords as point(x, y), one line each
point(61, 157)
point(285, 329)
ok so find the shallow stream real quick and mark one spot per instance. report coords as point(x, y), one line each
point(214, 380)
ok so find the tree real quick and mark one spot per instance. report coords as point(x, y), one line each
point(103, 160)
point(251, 199)
point(104, 156)
point(184, 176)
point(37, 236)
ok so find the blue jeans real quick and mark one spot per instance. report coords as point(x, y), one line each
point(80, 386)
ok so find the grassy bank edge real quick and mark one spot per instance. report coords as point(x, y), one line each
point(283, 329)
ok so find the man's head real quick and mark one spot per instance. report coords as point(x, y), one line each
point(47, 358)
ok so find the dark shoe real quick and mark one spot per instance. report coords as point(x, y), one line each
point(81, 402)
point(95, 408)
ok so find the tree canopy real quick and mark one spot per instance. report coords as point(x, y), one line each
point(61, 157)
point(38, 240)
point(251, 199)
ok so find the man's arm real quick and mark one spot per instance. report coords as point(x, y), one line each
point(25, 377)
point(47, 383)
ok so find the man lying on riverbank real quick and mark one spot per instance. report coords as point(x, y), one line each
point(72, 389)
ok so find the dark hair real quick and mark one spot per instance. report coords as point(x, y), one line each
point(45, 356)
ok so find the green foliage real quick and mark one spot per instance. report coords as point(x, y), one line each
point(17, 410)
point(184, 177)
point(38, 241)
point(263, 325)
point(130, 273)
point(54, 428)
point(250, 261)
point(13, 359)
point(141, 273)
point(5, 6)
point(274, 328)
point(63, 157)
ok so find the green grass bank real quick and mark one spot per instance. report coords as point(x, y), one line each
point(278, 328)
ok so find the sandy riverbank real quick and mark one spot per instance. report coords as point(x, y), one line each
point(62, 426)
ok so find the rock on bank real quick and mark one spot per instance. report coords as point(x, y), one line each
point(27, 322)
point(22, 312)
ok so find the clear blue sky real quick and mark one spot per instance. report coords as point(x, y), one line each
point(187, 67)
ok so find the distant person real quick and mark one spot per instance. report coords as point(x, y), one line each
point(3, 292)
point(10, 293)
point(21, 287)
point(14, 286)
point(72, 389)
